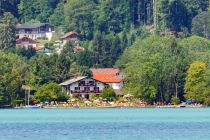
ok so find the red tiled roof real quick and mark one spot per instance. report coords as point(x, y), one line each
point(38, 48)
point(69, 34)
point(25, 40)
point(105, 71)
point(107, 78)
point(78, 48)
point(107, 75)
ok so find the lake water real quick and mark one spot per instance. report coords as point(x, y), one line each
point(105, 124)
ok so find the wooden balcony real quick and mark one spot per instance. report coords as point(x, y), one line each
point(87, 84)
point(31, 32)
point(86, 91)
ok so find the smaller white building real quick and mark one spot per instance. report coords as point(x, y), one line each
point(82, 86)
point(25, 42)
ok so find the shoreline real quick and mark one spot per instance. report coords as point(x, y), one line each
point(109, 107)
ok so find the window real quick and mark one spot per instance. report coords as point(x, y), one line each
point(96, 88)
point(87, 88)
point(77, 88)
point(91, 83)
point(82, 83)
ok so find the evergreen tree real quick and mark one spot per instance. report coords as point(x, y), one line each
point(9, 6)
point(124, 40)
point(115, 49)
point(7, 31)
point(57, 18)
point(97, 48)
point(201, 25)
point(79, 17)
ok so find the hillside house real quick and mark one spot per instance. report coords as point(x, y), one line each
point(42, 49)
point(70, 36)
point(78, 49)
point(82, 86)
point(25, 42)
point(35, 31)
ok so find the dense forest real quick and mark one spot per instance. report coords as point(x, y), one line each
point(161, 47)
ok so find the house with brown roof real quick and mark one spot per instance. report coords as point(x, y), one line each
point(72, 36)
point(26, 42)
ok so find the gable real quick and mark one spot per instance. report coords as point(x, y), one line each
point(25, 40)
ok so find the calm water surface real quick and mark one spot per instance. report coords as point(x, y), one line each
point(105, 124)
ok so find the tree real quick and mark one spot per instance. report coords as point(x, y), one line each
point(26, 52)
point(113, 16)
point(108, 93)
point(124, 41)
point(115, 49)
point(79, 17)
point(57, 18)
point(50, 68)
point(9, 6)
point(7, 31)
point(178, 16)
point(48, 92)
point(85, 58)
point(195, 86)
point(201, 25)
point(156, 67)
point(97, 48)
point(195, 7)
point(13, 73)
point(38, 10)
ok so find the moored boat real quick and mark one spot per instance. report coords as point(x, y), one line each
point(31, 106)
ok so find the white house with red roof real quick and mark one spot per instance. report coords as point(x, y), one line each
point(85, 86)
point(110, 76)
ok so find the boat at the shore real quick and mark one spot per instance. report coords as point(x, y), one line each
point(31, 106)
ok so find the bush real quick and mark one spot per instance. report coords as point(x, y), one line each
point(207, 101)
point(49, 92)
point(175, 100)
point(42, 38)
point(108, 94)
point(93, 97)
point(62, 97)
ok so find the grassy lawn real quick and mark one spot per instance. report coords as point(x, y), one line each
point(42, 42)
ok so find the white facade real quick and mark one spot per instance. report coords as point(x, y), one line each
point(26, 45)
point(116, 85)
point(47, 35)
point(84, 87)
point(35, 31)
